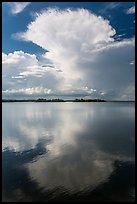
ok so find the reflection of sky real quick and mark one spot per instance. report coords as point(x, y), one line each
point(80, 142)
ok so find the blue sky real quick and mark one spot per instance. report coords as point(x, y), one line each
point(68, 49)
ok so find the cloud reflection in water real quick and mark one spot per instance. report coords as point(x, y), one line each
point(63, 149)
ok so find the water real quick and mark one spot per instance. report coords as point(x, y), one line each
point(68, 152)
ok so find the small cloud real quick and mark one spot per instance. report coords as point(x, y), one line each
point(131, 10)
point(132, 63)
point(121, 35)
point(17, 7)
point(17, 77)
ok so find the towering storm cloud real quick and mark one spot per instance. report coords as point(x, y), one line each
point(81, 57)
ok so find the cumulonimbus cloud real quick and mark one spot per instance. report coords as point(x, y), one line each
point(82, 48)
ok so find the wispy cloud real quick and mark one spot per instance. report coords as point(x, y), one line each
point(109, 6)
point(112, 5)
point(18, 7)
point(131, 10)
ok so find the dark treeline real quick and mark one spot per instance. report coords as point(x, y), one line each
point(52, 100)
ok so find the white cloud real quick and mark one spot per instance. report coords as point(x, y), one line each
point(82, 53)
point(18, 7)
point(117, 44)
point(63, 24)
point(29, 70)
point(18, 56)
point(69, 36)
point(16, 62)
point(131, 10)
point(132, 62)
point(29, 91)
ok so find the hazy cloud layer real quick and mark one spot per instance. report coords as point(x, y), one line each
point(82, 57)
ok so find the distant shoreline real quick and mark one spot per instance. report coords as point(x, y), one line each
point(59, 100)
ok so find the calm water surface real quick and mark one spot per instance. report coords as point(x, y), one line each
point(68, 152)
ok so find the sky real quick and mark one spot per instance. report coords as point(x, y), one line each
point(68, 50)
